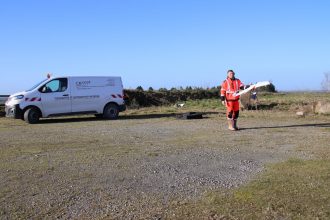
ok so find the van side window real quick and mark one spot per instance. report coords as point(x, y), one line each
point(56, 85)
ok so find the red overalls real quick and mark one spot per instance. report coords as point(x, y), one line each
point(229, 88)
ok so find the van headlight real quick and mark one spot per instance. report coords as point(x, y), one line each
point(19, 97)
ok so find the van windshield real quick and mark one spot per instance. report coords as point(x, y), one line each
point(35, 86)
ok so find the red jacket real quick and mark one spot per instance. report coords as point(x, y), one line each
point(229, 87)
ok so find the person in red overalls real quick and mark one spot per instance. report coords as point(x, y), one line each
point(228, 91)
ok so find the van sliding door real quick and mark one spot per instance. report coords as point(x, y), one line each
point(85, 94)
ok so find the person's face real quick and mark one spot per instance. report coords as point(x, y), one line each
point(231, 75)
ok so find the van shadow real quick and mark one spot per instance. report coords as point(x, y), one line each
point(121, 117)
point(68, 120)
point(323, 125)
point(92, 118)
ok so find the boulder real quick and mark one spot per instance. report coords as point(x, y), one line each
point(249, 101)
point(322, 107)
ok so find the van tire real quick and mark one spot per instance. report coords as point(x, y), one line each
point(32, 115)
point(111, 111)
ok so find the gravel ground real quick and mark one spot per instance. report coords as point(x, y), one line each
point(138, 166)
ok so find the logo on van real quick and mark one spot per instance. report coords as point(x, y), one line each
point(83, 83)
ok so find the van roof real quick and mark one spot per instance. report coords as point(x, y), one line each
point(86, 77)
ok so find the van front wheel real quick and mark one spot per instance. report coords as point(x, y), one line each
point(32, 116)
point(111, 111)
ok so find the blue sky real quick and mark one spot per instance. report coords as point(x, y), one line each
point(166, 43)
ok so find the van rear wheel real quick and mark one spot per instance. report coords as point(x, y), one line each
point(32, 116)
point(111, 111)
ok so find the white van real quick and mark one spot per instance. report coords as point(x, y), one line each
point(57, 96)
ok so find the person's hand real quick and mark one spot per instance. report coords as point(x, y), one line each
point(223, 102)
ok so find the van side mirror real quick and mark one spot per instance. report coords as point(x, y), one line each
point(43, 89)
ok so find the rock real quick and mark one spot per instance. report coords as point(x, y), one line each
point(301, 114)
point(249, 101)
point(179, 105)
point(322, 108)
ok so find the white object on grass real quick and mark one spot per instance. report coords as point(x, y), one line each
point(179, 105)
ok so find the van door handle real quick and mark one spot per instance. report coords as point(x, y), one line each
point(66, 95)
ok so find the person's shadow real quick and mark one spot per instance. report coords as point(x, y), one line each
point(323, 125)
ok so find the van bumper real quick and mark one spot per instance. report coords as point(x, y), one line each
point(122, 108)
point(14, 111)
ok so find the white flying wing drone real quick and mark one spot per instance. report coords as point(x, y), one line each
point(254, 86)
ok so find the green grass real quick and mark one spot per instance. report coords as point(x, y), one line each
point(205, 104)
point(153, 154)
point(291, 101)
point(295, 189)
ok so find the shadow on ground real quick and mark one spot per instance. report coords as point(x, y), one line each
point(324, 125)
point(270, 106)
point(121, 117)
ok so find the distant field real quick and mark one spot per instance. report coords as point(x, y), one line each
point(149, 165)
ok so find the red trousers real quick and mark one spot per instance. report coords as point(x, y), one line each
point(232, 109)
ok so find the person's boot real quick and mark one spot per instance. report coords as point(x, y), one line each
point(235, 125)
point(230, 125)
